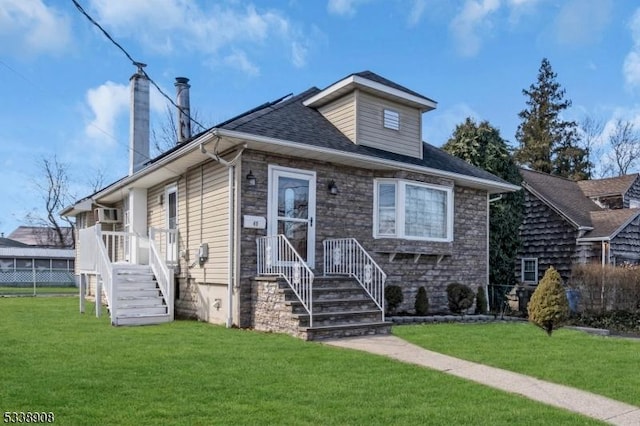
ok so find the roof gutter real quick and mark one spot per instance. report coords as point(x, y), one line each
point(372, 160)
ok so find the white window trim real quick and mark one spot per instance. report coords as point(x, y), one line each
point(522, 271)
point(400, 211)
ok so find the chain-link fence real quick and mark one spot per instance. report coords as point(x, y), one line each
point(30, 281)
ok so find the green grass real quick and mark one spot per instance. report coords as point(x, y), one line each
point(603, 365)
point(87, 372)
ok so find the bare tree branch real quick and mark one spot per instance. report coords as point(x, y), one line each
point(625, 147)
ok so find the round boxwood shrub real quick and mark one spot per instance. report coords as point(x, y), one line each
point(393, 297)
point(548, 307)
point(460, 297)
point(422, 302)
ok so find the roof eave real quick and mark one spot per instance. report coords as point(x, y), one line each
point(354, 81)
point(491, 186)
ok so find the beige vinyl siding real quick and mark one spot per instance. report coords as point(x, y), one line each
point(371, 131)
point(342, 114)
point(203, 217)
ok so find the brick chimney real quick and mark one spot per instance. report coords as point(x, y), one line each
point(139, 123)
point(184, 114)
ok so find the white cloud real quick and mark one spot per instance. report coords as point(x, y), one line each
point(238, 59)
point(415, 13)
point(473, 19)
point(30, 27)
point(343, 7)
point(631, 65)
point(215, 30)
point(582, 22)
point(107, 102)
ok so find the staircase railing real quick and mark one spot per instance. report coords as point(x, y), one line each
point(276, 256)
point(104, 270)
point(164, 274)
point(345, 256)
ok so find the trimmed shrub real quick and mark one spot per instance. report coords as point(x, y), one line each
point(481, 302)
point(460, 297)
point(548, 307)
point(393, 296)
point(422, 302)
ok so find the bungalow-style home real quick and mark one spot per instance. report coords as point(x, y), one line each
point(30, 260)
point(291, 217)
point(567, 222)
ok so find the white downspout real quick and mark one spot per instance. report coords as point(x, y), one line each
point(231, 166)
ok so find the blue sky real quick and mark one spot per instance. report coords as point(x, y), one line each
point(65, 87)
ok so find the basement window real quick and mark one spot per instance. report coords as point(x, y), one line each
point(391, 119)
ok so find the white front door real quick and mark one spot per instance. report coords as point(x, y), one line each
point(292, 208)
point(171, 197)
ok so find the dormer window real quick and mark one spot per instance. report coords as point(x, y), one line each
point(391, 119)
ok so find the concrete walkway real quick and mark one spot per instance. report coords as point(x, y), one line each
point(578, 401)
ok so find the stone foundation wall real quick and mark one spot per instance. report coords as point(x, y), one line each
point(270, 312)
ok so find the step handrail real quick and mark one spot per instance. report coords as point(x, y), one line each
point(345, 256)
point(104, 270)
point(164, 274)
point(276, 256)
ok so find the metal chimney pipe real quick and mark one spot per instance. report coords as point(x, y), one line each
point(139, 122)
point(184, 114)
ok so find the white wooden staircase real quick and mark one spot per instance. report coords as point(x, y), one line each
point(139, 300)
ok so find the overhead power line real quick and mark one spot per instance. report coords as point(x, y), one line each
point(135, 63)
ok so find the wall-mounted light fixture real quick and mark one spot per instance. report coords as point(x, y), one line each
point(333, 188)
point(251, 179)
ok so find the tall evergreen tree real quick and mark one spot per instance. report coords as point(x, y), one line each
point(548, 143)
point(482, 146)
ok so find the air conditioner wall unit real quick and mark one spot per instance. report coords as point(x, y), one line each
point(107, 215)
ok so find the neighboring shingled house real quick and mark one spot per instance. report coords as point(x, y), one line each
point(256, 211)
point(567, 222)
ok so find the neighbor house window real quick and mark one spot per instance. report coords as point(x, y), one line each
point(391, 119)
point(413, 210)
point(530, 270)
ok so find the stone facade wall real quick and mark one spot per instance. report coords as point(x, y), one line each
point(350, 214)
point(269, 311)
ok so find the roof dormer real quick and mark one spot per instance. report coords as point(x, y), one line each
point(373, 111)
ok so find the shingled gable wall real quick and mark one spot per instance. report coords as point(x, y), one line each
point(350, 214)
point(541, 225)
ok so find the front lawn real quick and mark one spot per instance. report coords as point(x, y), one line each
point(87, 372)
point(603, 365)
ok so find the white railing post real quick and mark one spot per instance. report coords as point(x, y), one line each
point(345, 256)
point(276, 256)
point(164, 274)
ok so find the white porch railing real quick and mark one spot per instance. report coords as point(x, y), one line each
point(345, 256)
point(276, 256)
point(104, 270)
point(164, 274)
point(99, 250)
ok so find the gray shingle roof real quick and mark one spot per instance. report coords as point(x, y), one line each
point(290, 120)
point(379, 79)
point(607, 223)
point(609, 186)
point(563, 194)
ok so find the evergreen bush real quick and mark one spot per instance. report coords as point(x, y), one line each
point(460, 297)
point(422, 302)
point(481, 302)
point(393, 297)
point(549, 307)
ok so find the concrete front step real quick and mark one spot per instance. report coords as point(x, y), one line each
point(335, 305)
point(142, 319)
point(340, 318)
point(350, 330)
